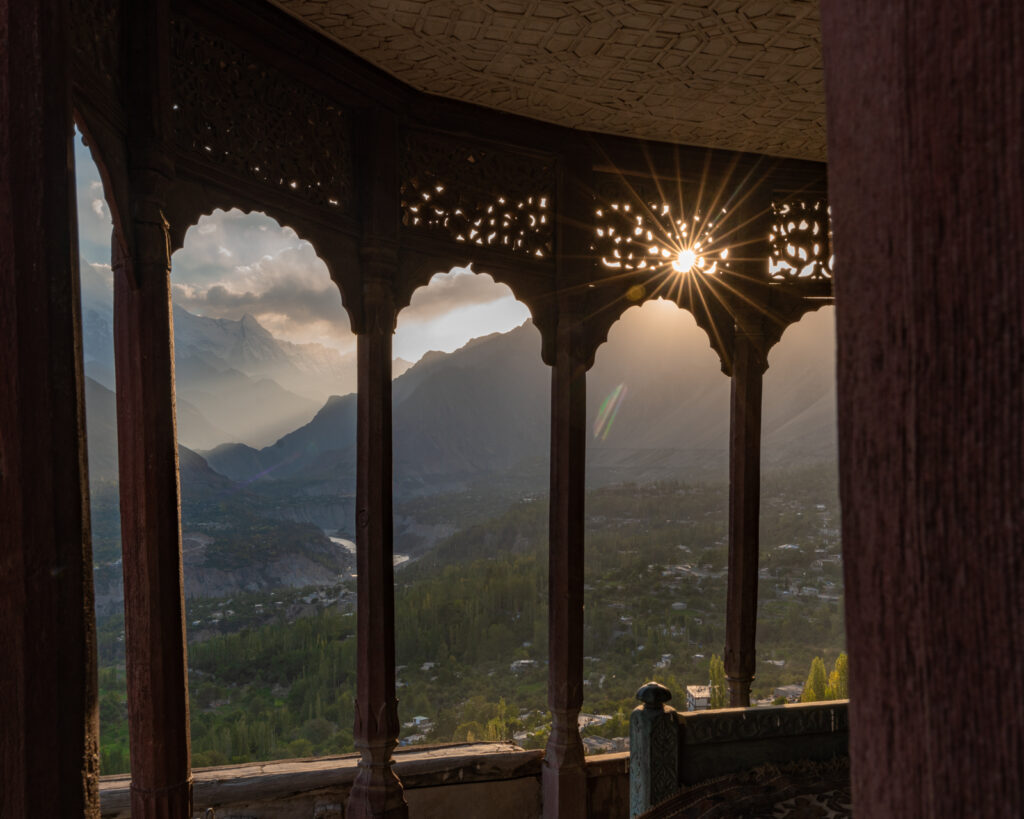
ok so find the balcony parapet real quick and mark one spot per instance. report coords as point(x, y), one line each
point(487, 779)
point(674, 751)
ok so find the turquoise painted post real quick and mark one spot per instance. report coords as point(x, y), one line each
point(653, 749)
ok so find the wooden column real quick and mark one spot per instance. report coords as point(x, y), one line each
point(49, 762)
point(564, 774)
point(154, 607)
point(377, 791)
point(926, 145)
point(147, 444)
point(748, 367)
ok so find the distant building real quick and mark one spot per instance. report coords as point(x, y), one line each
point(791, 693)
point(698, 697)
point(598, 745)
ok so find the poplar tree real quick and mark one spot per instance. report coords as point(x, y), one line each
point(817, 682)
point(839, 679)
point(719, 692)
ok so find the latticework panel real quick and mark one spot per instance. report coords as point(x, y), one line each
point(248, 117)
point(96, 44)
point(477, 195)
point(801, 241)
point(639, 227)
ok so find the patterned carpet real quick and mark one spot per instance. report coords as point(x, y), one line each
point(806, 790)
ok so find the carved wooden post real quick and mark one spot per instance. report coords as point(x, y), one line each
point(564, 771)
point(565, 785)
point(377, 791)
point(48, 720)
point(748, 367)
point(147, 445)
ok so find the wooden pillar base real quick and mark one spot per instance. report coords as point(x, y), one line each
point(377, 792)
point(564, 774)
point(739, 691)
point(174, 802)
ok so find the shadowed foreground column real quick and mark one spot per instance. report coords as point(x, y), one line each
point(748, 367)
point(564, 772)
point(49, 762)
point(377, 791)
point(926, 150)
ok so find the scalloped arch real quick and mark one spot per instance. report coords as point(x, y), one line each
point(406, 300)
point(716, 324)
point(338, 253)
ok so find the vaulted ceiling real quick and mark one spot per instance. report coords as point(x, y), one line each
point(735, 74)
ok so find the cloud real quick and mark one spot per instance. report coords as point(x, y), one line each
point(94, 221)
point(450, 292)
point(234, 263)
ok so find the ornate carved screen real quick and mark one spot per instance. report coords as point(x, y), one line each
point(96, 48)
point(639, 226)
point(801, 240)
point(252, 120)
point(477, 194)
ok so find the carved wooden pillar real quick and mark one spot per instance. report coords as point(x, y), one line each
point(147, 446)
point(564, 774)
point(48, 718)
point(748, 366)
point(377, 791)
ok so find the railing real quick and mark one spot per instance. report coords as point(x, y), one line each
point(494, 779)
point(674, 751)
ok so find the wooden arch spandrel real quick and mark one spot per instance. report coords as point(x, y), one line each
point(107, 148)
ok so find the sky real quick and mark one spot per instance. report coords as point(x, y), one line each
point(234, 263)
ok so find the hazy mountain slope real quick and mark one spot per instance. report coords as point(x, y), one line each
point(101, 437)
point(483, 411)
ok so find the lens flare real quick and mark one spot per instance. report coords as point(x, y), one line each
point(609, 409)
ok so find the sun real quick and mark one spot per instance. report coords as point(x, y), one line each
point(684, 261)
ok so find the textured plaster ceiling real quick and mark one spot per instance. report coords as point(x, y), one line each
point(736, 74)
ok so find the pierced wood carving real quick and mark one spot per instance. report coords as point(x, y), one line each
point(636, 229)
point(801, 241)
point(477, 195)
point(234, 111)
point(732, 726)
point(96, 44)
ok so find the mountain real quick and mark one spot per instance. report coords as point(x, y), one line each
point(101, 438)
point(658, 407)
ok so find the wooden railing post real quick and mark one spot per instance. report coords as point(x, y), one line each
point(748, 367)
point(565, 784)
point(653, 749)
point(377, 792)
point(49, 763)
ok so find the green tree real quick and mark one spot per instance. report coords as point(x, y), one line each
point(839, 679)
point(719, 690)
point(817, 682)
